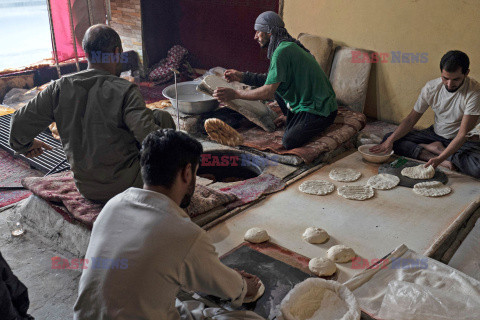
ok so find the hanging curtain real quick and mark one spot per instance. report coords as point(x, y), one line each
point(82, 18)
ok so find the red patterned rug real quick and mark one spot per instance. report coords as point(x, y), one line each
point(12, 171)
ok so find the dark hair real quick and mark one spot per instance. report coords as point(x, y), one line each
point(100, 38)
point(454, 59)
point(164, 153)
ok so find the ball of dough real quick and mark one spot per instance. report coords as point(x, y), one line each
point(315, 235)
point(322, 267)
point(341, 253)
point(256, 235)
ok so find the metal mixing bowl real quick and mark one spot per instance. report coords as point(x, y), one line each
point(190, 101)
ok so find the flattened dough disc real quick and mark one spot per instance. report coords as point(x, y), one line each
point(407, 182)
point(260, 293)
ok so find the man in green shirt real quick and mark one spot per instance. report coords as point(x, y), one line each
point(101, 119)
point(299, 84)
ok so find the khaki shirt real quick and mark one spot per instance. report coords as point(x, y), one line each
point(148, 249)
point(101, 118)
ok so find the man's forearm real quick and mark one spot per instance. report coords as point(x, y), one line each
point(261, 93)
point(254, 79)
point(453, 147)
point(402, 130)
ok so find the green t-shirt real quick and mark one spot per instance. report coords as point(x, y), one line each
point(303, 84)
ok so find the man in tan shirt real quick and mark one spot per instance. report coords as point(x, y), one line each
point(101, 119)
point(144, 248)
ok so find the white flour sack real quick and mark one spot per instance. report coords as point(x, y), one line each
point(319, 299)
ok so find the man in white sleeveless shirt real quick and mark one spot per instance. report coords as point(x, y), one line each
point(455, 100)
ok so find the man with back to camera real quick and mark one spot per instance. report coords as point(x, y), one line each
point(150, 249)
point(101, 119)
point(295, 78)
point(455, 99)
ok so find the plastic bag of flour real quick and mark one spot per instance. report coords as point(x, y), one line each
point(410, 301)
point(319, 299)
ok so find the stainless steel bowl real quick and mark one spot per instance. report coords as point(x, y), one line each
point(190, 101)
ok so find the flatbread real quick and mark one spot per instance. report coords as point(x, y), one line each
point(222, 133)
point(260, 293)
point(431, 189)
point(344, 175)
point(383, 181)
point(419, 172)
point(317, 187)
point(356, 192)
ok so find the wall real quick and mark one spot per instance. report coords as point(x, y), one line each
point(126, 20)
point(410, 26)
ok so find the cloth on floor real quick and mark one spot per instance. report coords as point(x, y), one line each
point(61, 188)
point(252, 189)
point(205, 199)
point(152, 93)
point(176, 59)
point(12, 171)
point(346, 125)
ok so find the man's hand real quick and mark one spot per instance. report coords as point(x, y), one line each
point(225, 94)
point(253, 283)
point(384, 147)
point(280, 121)
point(233, 75)
point(37, 148)
point(434, 162)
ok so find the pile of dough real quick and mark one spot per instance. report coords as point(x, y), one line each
point(315, 235)
point(317, 187)
point(345, 175)
point(260, 293)
point(419, 172)
point(322, 266)
point(356, 192)
point(383, 181)
point(341, 253)
point(256, 235)
point(431, 189)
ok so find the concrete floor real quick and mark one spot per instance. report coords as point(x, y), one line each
point(52, 292)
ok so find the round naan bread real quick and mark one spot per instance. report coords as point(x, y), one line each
point(341, 253)
point(322, 267)
point(383, 181)
point(315, 235)
point(418, 172)
point(317, 187)
point(356, 192)
point(344, 175)
point(431, 189)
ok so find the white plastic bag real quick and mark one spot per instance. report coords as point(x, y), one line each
point(410, 301)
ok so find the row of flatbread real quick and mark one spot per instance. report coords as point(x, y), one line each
point(380, 181)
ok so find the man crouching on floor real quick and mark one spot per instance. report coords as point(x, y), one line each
point(161, 249)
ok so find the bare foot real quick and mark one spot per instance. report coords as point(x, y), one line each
point(434, 147)
point(426, 155)
point(449, 165)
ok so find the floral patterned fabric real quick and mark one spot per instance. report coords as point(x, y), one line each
point(347, 124)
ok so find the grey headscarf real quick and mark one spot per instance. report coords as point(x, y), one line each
point(270, 22)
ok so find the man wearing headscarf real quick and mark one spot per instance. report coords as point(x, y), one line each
point(295, 78)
